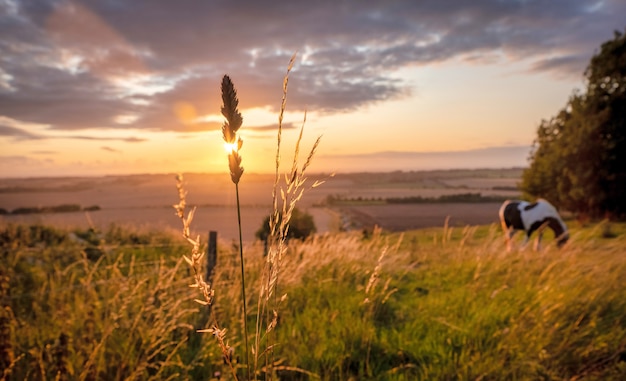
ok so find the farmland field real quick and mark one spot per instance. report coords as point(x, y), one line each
point(417, 216)
point(146, 200)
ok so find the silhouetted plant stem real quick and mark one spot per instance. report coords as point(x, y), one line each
point(231, 125)
point(243, 281)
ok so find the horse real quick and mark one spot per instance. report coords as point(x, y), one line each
point(516, 215)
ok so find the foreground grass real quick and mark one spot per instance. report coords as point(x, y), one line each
point(444, 304)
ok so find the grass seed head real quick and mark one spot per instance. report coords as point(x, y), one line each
point(231, 125)
point(234, 120)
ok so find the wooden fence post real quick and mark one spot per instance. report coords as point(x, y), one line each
point(211, 256)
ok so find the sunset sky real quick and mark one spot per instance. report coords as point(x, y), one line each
point(120, 87)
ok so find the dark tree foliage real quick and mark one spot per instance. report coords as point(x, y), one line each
point(578, 160)
point(301, 225)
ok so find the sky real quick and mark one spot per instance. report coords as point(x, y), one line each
point(108, 87)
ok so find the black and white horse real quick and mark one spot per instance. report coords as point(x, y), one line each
point(518, 215)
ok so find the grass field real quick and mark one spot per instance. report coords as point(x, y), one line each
point(442, 303)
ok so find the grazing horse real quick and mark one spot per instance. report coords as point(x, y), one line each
point(518, 215)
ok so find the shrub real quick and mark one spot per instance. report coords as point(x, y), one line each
point(301, 226)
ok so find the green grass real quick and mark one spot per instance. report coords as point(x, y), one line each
point(442, 304)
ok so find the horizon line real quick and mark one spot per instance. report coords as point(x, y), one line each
point(225, 173)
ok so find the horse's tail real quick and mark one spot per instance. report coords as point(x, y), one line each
point(505, 228)
point(501, 214)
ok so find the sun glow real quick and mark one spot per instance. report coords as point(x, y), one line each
point(230, 147)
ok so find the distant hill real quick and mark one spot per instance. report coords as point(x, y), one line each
point(492, 157)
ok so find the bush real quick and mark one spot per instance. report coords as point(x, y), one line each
point(301, 226)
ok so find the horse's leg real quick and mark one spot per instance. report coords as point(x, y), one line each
point(507, 232)
point(525, 242)
point(538, 241)
point(509, 239)
point(540, 231)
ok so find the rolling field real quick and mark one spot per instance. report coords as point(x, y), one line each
point(417, 216)
point(146, 200)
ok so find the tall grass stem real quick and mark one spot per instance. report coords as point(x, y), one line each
point(243, 282)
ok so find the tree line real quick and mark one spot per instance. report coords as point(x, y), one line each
point(65, 208)
point(578, 159)
point(460, 197)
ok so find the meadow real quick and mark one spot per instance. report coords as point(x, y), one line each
point(445, 303)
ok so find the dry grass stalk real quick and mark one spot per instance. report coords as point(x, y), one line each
point(375, 276)
point(230, 127)
point(195, 262)
point(370, 288)
point(7, 321)
point(290, 193)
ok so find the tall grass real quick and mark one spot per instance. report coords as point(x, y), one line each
point(439, 304)
point(196, 264)
point(291, 192)
point(121, 314)
point(234, 143)
point(458, 308)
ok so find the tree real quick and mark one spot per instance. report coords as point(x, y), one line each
point(578, 160)
point(301, 226)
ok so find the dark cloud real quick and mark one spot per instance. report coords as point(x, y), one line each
point(561, 66)
point(271, 127)
point(17, 133)
point(108, 138)
point(21, 134)
point(67, 64)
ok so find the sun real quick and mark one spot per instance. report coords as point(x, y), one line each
point(230, 147)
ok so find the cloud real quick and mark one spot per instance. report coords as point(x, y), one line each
point(271, 127)
point(101, 138)
point(44, 152)
point(14, 161)
point(562, 66)
point(109, 149)
point(22, 134)
point(17, 133)
point(78, 65)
